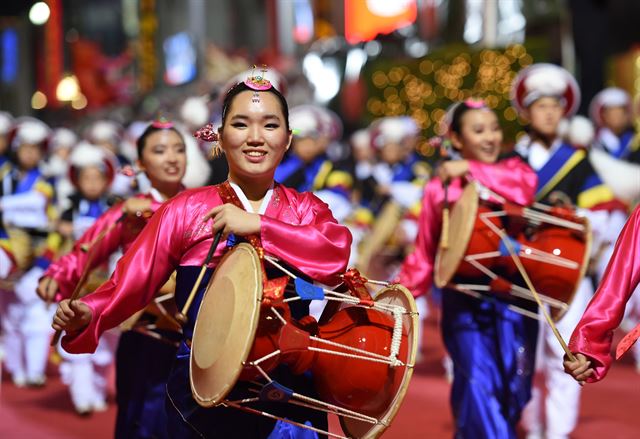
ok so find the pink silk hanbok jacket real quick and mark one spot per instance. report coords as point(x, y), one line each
point(594, 334)
point(296, 228)
point(511, 178)
point(68, 269)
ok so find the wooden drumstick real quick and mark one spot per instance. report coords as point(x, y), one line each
point(525, 277)
point(182, 315)
point(87, 245)
point(76, 293)
point(444, 235)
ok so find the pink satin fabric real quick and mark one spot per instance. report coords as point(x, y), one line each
point(511, 178)
point(297, 228)
point(68, 269)
point(594, 334)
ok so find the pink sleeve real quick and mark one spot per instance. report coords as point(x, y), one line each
point(318, 246)
point(594, 333)
point(417, 270)
point(512, 178)
point(68, 269)
point(140, 273)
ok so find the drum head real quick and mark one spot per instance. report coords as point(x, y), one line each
point(461, 222)
point(392, 295)
point(226, 325)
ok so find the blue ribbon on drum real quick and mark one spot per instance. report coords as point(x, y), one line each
point(504, 250)
point(307, 290)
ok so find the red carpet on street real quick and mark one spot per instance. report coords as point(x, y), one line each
point(609, 409)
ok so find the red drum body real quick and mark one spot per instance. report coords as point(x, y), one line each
point(356, 383)
point(553, 245)
point(558, 281)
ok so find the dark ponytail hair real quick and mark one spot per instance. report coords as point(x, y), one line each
point(240, 87)
point(153, 128)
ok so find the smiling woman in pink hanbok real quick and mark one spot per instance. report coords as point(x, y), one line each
point(491, 346)
point(297, 228)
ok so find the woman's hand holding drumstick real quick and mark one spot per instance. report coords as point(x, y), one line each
point(232, 219)
point(71, 316)
point(227, 218)
point(451, 169)
point(47, 289)
point(579, 367)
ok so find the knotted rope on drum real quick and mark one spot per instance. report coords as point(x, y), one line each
point(395, 310)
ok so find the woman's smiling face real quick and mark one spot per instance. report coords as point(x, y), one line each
point(254, 136)
point(480, 136)
point(164, 158)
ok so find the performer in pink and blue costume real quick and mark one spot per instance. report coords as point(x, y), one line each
point(297, 228)
point(491, 346)
point(142, 363)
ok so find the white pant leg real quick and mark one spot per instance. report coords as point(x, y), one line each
point(37, 332)
point(562, 403)
point(80, 381)
point(533, 414)
point(36, 355)
point(13, 343)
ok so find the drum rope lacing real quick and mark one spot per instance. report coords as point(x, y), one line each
point(395, 310)
point(502, 234)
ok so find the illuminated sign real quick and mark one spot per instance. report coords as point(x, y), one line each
point(364, 19)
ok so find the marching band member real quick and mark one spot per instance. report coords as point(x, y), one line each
point(492, 347)
point(306, 167)
point(7, 260)
point(56, 167)
point(610, 110)
point(591, 340)
point(25, 208)
point(6, 126)
point(108, 135)
point(543, 94)
point(295, 227)
point(142, 363)
point(392, 192)
point(616, 157)
point(91, 172)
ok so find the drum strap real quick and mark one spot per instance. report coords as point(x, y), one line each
point(228, 195)
point(272, 289)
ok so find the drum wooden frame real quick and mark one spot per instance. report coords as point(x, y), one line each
point(228, 342)
point(469, 214)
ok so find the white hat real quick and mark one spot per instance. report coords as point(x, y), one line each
point(544, 80)
point(361, 139)
point(392, 129)
point(609, 97)
point(195, 111)
point(6, 123)
point(63, 138)
point(315, 121)
point(104, 131)
point(30, 130)
point(85, 154)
